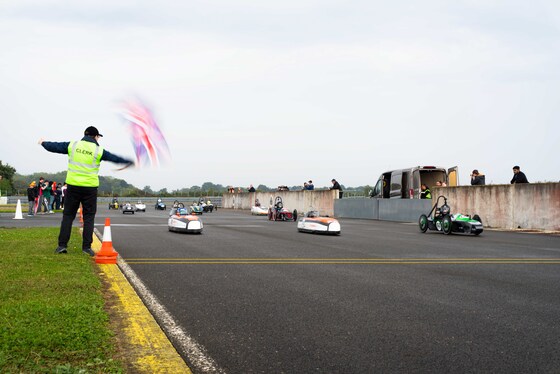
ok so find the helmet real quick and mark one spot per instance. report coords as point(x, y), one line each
point(445, 209)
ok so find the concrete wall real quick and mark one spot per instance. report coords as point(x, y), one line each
point(521, 206)
point(399, 210)
point(403, 210)
point(303, 201)
point(357, 208)
point(518, 206)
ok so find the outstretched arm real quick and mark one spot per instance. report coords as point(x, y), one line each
point(55, 147)
point(108, 156)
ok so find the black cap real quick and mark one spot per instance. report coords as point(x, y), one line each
point(92, 131)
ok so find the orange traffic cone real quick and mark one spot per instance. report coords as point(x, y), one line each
point(107, 255)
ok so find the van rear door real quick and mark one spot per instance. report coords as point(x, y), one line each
point(453, 176)
point(396, 185)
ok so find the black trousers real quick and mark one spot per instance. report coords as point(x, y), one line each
point(74, 196)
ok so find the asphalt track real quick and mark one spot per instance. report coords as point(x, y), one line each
point(260, 297)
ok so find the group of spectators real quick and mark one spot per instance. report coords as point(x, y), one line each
point(307, 186)
point(478, 179)
point(45, 197)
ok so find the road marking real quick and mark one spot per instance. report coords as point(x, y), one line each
point(236, 225)
point(132, 224)
point(343, 261)
point(151, 352)
point(197, 356)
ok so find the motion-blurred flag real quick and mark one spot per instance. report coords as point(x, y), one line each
point(147, 139)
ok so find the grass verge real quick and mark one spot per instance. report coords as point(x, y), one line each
point(10, 208)
point(52, 316)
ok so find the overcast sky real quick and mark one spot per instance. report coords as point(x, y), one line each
point(279, 92)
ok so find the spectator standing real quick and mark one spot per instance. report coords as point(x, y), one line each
point(41, 208)
point(63, 194)
point(57, 196)
point(47, 194)
point(477, 179)
point(251, 188)
point(53, 195)
point(336, 186)
point(31, 197)
point(84, 159)
point(310, 185)
point(518, 176)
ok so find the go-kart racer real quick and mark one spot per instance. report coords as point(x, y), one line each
point(181, 221)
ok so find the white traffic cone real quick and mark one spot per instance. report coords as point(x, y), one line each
point(19, 215)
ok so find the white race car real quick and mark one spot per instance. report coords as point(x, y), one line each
point(127, 208)
point(258, 210)
point(313, 223)
point(140, 206)
point(181, 221)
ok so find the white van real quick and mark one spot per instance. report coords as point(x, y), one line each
point(405, 183)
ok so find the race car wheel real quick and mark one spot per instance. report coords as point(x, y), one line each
point(423, 223)
point(476, 217)
point(294, 214)
point(446, 225)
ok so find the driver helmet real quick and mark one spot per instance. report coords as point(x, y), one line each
point(445, 209)
point(313, 214)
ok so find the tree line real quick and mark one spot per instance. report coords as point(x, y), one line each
point(12, 183)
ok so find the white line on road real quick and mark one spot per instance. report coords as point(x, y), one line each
point(132, 224)
point(196, 354)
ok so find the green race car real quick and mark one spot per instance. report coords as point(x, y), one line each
point(441, 219)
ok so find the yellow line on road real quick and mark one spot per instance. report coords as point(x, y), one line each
point(148, 348)
point(342, 259)
point(290, 261)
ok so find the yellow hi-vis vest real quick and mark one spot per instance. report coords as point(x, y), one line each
point(83, 163)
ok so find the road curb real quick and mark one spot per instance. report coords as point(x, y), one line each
point(150, 351)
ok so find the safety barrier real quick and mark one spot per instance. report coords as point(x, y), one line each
point(534, 206)
point(302, 201)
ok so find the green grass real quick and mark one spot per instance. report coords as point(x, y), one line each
point(52, 317)
point(11, 208)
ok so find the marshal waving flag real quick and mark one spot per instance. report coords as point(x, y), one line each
point(147, 138)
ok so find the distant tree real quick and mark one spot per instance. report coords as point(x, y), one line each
point(263, 188)
point(6, 171)
point(6, 174)
point(148, 190)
